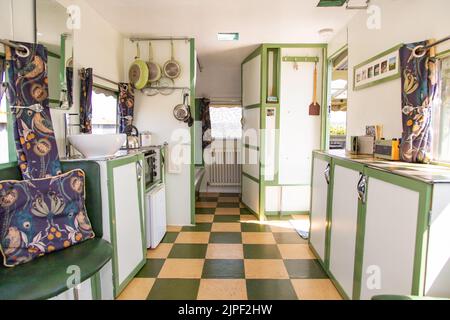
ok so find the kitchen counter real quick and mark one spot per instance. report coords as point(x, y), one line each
point(428, 173)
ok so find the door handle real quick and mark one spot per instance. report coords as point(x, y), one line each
point(139, 170)
point(327, 174)
point(362, 188)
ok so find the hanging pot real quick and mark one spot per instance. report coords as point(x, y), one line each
point(165, 86)
point(182, 112)
point(154, 70)
point(138, 73)
point(172, 68)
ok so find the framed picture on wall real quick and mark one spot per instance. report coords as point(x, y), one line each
point(381, 68)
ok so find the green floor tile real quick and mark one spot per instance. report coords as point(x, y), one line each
point(223, 269)
point(228, 205)
point(174, 289)
point(199, 227)
point(289, 238)
point(205, 210)
point(170, 237)
point(305, 269)
point(254, 227)
point(246, 211)
point(225, 237)
point(188, 251)
point(270, 290)
point(218, 218)
point(151, 269)
point(261, 251)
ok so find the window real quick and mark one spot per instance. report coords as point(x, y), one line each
point(442, 120)
point(104, 111)
point(226, 122)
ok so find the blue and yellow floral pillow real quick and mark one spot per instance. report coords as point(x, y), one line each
point(38, 217)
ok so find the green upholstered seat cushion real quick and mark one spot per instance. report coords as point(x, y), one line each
point(46, 277)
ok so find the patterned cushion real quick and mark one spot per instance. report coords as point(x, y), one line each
point(38, 217)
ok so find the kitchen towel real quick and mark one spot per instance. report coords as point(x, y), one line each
point(419, 84)
point(125, 106)
point(27, 92)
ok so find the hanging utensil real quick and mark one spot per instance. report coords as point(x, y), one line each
point(182, 112)
point(165, 86)
point(154, 70)
point(138, 73)
point(172, 68)
point(314, 107)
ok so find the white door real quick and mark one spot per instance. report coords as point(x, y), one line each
point(128, 224)
point(319, 207)
point(344, 221)
point(389, 241)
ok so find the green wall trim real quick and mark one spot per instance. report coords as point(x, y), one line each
point(321, 156)
point(329, 214)
point(253, 106)
point(335, 54)
point(96, 289)
point(250, 177)
point(349, 164)
point(254, 54)
point(294, 45)
point(193, 65)
point(443, 54)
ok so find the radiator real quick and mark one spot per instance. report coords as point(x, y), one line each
point(225, 167)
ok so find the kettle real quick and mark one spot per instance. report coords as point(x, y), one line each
point(132, 137)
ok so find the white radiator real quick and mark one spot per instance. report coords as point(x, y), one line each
point(224, 167)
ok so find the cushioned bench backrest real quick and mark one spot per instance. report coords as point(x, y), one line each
point(93, 188)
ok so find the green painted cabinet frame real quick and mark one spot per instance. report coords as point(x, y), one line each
point(118, 287)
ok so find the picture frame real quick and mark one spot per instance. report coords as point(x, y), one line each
point(379, 69)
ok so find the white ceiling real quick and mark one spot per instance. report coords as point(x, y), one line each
point(257, 21)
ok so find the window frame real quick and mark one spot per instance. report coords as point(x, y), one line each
point(116, 95)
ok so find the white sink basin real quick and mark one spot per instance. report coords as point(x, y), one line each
point(98, 145)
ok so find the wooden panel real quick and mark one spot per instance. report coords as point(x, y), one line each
point(250, 193)
point(344, 218)
point(297, 128)
point(389, 242)
point(128, 222)
point(251, 82)
point(438, 261)
point(319, 208)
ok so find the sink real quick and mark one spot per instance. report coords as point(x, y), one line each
point(98, 145)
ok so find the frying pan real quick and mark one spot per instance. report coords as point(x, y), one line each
point(165, 86)
point(172, 68)
point(182, 112)
point(138, 73)
point(154, 70)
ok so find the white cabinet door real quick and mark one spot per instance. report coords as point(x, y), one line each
point(128, 223)
point(390, 238)
point(344, 221)
point(319, 201)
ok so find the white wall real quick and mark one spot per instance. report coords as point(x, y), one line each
point(402, 21)
point(155, 114)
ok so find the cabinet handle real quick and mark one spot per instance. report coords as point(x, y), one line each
point(327, 174)
point(139, 170)
point(362, 188)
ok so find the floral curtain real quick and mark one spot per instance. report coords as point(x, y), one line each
point(419, 84)
point(87, 82)
point(206, 122)
point(27, 92)
point(125, 105)
point(2, 70)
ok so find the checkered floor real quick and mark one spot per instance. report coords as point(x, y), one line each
point(230, 255)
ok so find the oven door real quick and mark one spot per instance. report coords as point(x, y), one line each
point(148, 169)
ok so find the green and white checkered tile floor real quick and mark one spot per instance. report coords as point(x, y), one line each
point(229, 255)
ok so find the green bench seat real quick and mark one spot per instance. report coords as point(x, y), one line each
point(46, 277)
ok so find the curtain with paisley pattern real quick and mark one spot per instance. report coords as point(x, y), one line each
point(419, 87)
point(87, 82)
point(27, 93)
point(125, 106)
point(2, 70)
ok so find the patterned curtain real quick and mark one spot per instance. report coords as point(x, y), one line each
point(69, 83)
point(419, 84)
point(2, 70)
point(125, 106)
point(206, 122)
point(27, 92)
point(87, 82)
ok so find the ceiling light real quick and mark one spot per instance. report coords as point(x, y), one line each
point(326, 33)
point(228, 36)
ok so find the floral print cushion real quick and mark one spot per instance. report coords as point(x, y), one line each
point(38, 217)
